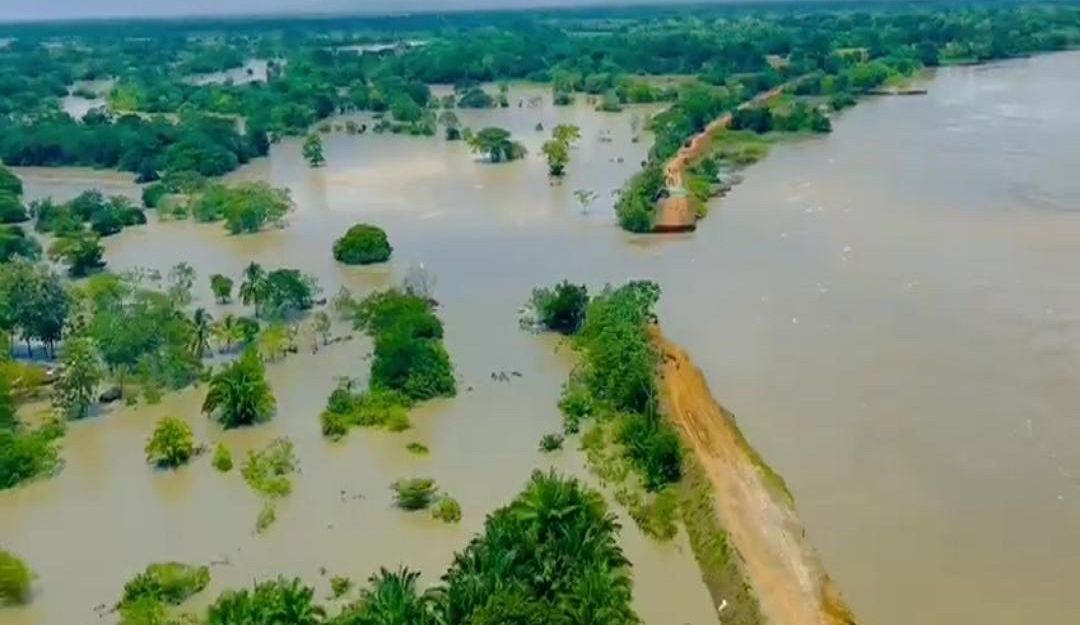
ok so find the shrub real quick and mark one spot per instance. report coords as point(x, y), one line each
point(222, 459)
point(447, 510)
point(172, 443)
point(363, 244)
point(379, 407)
point(340, 586)
point(414, 493)
point(166, 582)
point(11, 209)
point(15, 579)
point(417, 448)
point(26, 454)
point(268, 471)
point(562, 308)
point(551, 442)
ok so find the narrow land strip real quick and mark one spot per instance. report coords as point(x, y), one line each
point(751, 502)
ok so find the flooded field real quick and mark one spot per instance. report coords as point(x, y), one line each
point(891, 312)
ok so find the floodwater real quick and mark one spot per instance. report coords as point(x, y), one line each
point(891, 312)
point(253, 70)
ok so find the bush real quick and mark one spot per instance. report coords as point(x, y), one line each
point(447, 510)
point(166, 582)
point(26, 454)
point(378, 407)
point(363, 244)
point(9, 182)
point(172, 443)
point(551, 442)
point(417, 448)
point(222, 459)
point(415, 493)
point(15, 579)
point(11, 209)
point(268, 471)
point(562, 308)
point(340, 586)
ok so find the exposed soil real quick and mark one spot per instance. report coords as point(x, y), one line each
point(752, 503)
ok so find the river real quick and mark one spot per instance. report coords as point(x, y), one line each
point(889, 310)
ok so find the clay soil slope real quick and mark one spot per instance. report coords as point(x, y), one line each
point(751, 502)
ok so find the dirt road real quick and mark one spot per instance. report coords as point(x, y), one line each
point(751, 502)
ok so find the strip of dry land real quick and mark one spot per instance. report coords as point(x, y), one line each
point(753, 507)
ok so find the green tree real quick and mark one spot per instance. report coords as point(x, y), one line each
point(11, 209)
point(222, 287)
point(313, 150)
point(10, 183)
point(172, 443)
point(239, 394)
point(566, 133)
point(362, 244)
point(561, 309)
point(496, 145)
point(321, 326)
point(558, 155)
point(201, 331)
point(253, 284)
point(83, 254)
point(15, 577)
point(179, 283)
point(80, 373)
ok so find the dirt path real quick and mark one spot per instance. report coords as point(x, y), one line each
point(676, 213)
point(751, 502)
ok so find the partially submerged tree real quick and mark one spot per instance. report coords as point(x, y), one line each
point(363, 244)
point(313, 150)
point(172, 443)
point(496, 145)
point(239, 394)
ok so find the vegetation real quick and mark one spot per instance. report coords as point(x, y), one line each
point(416, 493)
point(447, 510)
point(378, 407)
point(496, 145)
point(562, 308)
point(246, 207)
point(313, 151)
point(239, 394)
point(165, 582)
point(268, 472)
point(417, 448)
point(362, 244)
point(277, 294)
point(82, 253)
point(172, 443)
point(81, 372)
point(15, 577)
point(551, 442)
point(222, 458)
point(222, 287)
point(268, 603)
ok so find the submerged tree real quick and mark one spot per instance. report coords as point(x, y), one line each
point(80, 374)
point(558, 155)
point(239, 394)
point(313, 150)
point(172, 443)
point(496, 144)
point(222, 287)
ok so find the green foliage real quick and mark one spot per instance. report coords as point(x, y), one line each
point(362, 244)
point(166, 582)
point(636, 206)
point(419, 449)
point(222, 458)
point(27, 453)
point(416, 493)
point(239, 394)
point(558, 155)
point(409, 355)
point(80, 373)
point(222, 287)
point(562, 308)
point(268, 471)
point(15, 243)
point(172, 443)
point(658, 514)
point(11, 209)
point(34, 303)
point(274, 602)
point(378, 407)
point(447, 510)
point(279, 293)
point(245, 207)
point(15, 577)
point(10, 183)
point(551, 442)
point(83, 254)
point(313, 150)
point(496, 145)
point(340, 586)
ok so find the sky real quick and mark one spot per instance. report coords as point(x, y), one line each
point(24, 10)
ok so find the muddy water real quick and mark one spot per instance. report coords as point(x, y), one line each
point(488, 234)
point(891, 312)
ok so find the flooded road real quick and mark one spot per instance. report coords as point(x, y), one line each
point(891, 312)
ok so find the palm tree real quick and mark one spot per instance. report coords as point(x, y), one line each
point(239, 394)
point(201, 326)
point(226, 333)
point(393, 599)
point(252, 286)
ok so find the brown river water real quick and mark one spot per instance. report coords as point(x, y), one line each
point(891, 312)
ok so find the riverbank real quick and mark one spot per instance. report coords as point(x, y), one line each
point(752, 503)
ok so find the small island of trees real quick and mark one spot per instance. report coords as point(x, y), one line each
point(363, 244)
